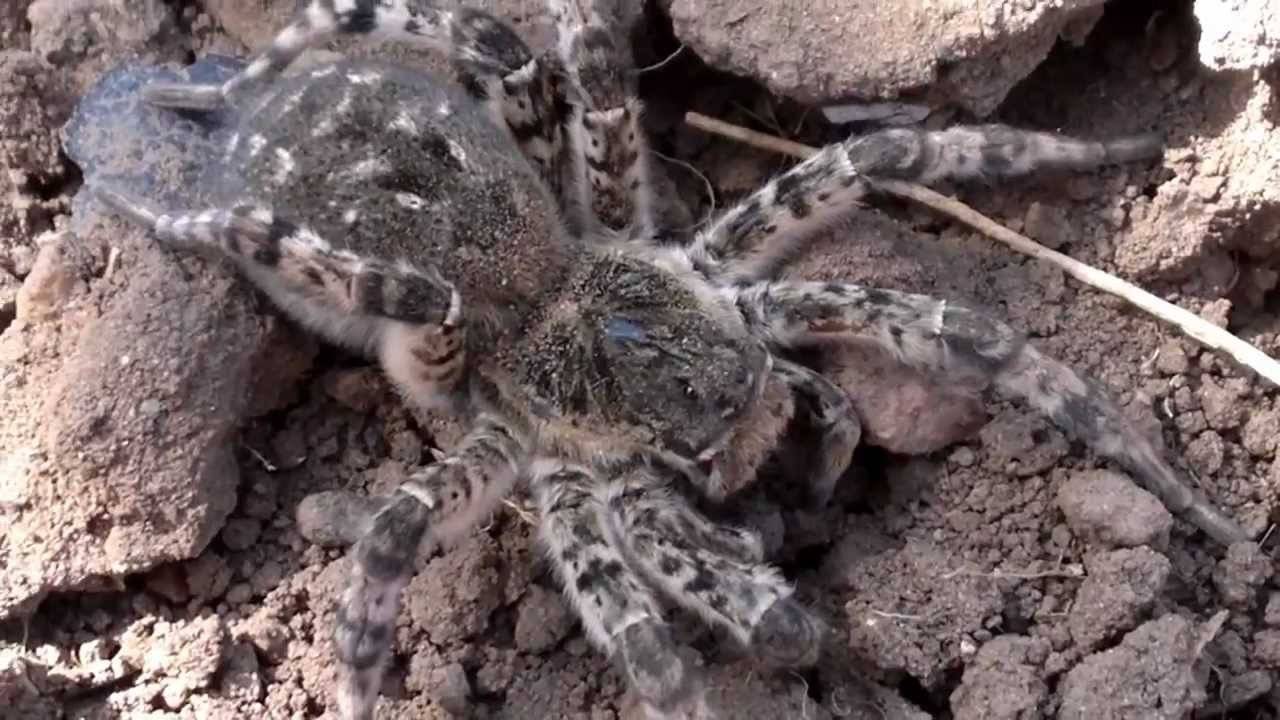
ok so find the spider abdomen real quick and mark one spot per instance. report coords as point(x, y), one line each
point(385, 162)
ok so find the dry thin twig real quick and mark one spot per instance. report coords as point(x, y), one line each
point(1072, 570)
point(1267, 535)
point(1205, 332)
point(706, 182)
point(675, 54)
point(262, 459)
point(898, 616)
point(804, 702)
point(521, 512)
point(113, 259)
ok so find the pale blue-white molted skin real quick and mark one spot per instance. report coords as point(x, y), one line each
point(121, 142)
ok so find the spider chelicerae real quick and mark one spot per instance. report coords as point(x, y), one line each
point(492, 243)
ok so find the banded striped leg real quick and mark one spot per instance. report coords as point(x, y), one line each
point(610, 181)
point(746, 597)
point(735, 543)
point(835, 420)
point(437, 504)
point(409, 317)
point(954, 341)
point(618, 611)
point(524, 93)
point(497, 67)
point(314, 24)
point(749, 241)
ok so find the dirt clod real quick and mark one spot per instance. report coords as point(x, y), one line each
point(1120, 589)
point(1048, 225)
point(191, 652)
point(1239, 575)
point(144, 503)
point(1003, 681)
point(1271, 616)
point(1154, 673)
point(241, 533)
point(453, 596)
point(1107, 509)
point(336, 519)
point(1022, 444)
point(52, 280)
point(268, 635)
point(543, 621)
point(1266, 649)
point(454, 689)
point(1262, 432)
point(919, 626)
point(1240, 690)
point(822, 55)
point(1238, 34)
point(1221, 405)
point(208, 576)
point(88, 35)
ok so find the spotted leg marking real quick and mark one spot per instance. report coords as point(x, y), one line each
point(617, 608)
point(735, 543)
point(314, 24)
point(752, 239)
point(524, 93)
point(437, 504)
point(408, 316)
point(610, 183)
point(966, 346)
point(746, 597)
point(835, 420)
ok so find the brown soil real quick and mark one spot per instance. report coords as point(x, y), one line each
point(972, 573)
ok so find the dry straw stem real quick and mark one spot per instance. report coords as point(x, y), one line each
point(1207, 333)
point(1071, 570)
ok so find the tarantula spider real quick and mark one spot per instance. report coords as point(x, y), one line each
point(493, 245)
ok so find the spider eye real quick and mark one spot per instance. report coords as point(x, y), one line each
point(688, 390)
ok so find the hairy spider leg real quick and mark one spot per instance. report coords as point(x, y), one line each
point(619, 611)
point(436, 505)
point(408, 316)
point(751, 240)
point(834, 418)
point(610, 184)
point(953, 341)
point(749, 599)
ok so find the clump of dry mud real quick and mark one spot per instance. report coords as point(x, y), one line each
point(159, 423)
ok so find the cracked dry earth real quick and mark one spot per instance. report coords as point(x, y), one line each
point(159, 423)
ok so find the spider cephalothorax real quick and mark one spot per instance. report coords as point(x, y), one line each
point(491, 244)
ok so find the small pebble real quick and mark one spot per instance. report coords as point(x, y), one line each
point(1245, 568)
point(1172, 359)
point(239, 594)
point(241, 533)
point(1048, 225)
point(543, 620)
point(453, 690)
point(1107, 509)
point(1271, 616)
